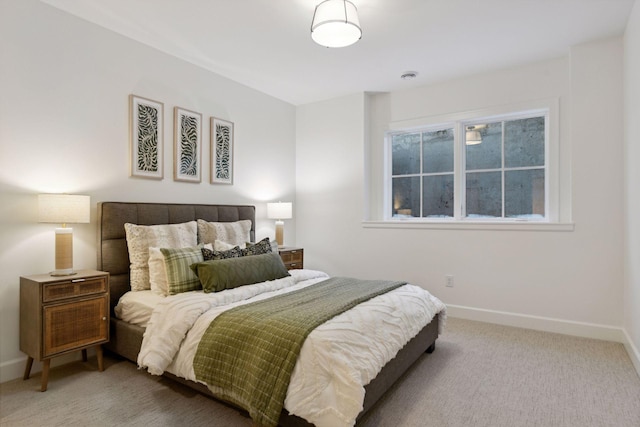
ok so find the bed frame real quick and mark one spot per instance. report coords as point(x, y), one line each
point(126, 339)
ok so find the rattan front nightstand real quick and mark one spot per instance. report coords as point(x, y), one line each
point(293, 258)
point(59, 315)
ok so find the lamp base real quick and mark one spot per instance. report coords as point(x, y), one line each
point(280, 232)
point(62, 273)
point(64, 252)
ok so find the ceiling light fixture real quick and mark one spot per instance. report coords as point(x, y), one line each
point(472, 136)
point(335, 24)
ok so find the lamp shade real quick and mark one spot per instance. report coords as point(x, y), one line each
point(279, 210)
point(63, 208)
point(336, 24)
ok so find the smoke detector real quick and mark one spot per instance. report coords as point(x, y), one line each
point(408, 75)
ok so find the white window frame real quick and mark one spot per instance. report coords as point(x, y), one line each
point(547, 107)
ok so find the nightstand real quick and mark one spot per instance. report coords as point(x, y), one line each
point(293, 258)
point(62, 314)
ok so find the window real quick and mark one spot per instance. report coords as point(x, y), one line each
point(423, 173)
point(486, 168)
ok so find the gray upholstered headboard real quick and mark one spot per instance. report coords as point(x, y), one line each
point(113, 255)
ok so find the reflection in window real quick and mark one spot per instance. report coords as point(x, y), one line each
point(496, 167)
point(406, 154)
point(487, 154)
point(437, 196)
point(484, 195)
point(406, 197)
point(524, 193)
point(505, 172)
point(524, 142)
point(422, 174)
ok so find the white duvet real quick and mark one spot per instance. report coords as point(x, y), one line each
point(336, 361)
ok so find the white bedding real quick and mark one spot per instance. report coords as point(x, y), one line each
point(336, 361)
point(136, 307)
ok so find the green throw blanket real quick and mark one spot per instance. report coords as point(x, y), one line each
point(247, 354)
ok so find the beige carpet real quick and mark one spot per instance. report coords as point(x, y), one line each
point(479, 375)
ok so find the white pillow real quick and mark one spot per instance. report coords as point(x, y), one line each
point(220, 246)
point(141, 237)
point(234, 233)
point(158, 280)
point(157, 273)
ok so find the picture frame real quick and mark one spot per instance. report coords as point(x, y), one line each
point(187, 149)
point(146, 137)
point(221, 151)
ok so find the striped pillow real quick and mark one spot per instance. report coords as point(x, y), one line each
point(180, 278)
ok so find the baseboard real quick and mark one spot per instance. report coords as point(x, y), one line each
point(632, 350)
point(14, 368)
point(547, 324)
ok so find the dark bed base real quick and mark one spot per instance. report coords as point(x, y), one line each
point(126, 339)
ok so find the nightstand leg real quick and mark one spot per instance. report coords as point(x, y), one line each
point(45, 374)
point(84, 355)
point(27, 369)
point(99, 356)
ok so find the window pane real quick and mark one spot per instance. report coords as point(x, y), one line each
point(437, 149)
point(437, 196)
point(405, 154)
point(524, 142)
point(484, 194)
point(487, 154)
point(524, 196)
point(406, 197)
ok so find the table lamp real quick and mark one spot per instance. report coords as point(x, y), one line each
point(63, 209)
point(279, 211)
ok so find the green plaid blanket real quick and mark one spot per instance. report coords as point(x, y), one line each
point(247, 354)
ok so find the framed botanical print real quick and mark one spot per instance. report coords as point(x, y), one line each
point(146, 138)
point(221, 151)
point(187, 151)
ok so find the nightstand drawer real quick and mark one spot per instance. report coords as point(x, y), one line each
point(73, 288)
point(293, 258)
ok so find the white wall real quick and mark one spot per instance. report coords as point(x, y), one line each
point(632, 187)
point(64, 86)
point(329, 182)
point(565, 281)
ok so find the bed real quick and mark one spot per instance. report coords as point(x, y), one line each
point(126, 339)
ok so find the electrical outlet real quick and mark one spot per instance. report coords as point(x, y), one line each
point(448, 281)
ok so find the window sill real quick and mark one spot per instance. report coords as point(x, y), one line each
point(472, 225)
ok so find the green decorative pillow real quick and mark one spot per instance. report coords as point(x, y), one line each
point(231, 273)
point(180, 277)
point(262, 247)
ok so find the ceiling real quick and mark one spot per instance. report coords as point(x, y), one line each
point(266, 44)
